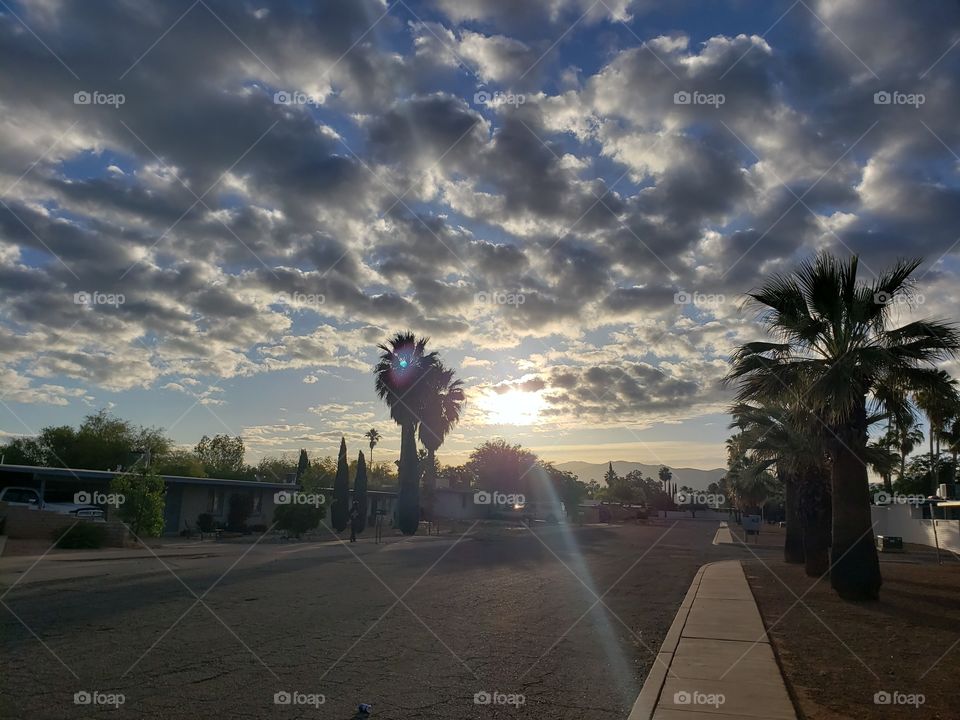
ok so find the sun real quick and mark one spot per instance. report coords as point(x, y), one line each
point(514, 407)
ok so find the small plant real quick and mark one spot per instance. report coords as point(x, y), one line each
point(81, 536)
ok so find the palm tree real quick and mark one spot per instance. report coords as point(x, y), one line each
point(404, 363)
point(939, 405)
point(835, 342)
point(443, 400)
point(374, 436)
point(791, 439)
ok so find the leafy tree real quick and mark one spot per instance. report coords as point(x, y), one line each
point(832, 336)
point(939, 404)
point(297, 519)
point(403, 364)
point(275, 468)
point(610, 477)
point(179, 462)
point(458, 477)
point(340, 511)
point(500, 466)
point(221, 455)
point(568, 488)
point(23, 451)
point(360, 492)
point(144, 496)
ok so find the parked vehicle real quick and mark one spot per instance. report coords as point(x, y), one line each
point(30, 498)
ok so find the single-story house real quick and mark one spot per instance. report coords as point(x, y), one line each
point(187, 497)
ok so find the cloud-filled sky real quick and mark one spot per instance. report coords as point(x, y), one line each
point(212, 211)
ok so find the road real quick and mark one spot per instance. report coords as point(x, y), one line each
point(417, 628)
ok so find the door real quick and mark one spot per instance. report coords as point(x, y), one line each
point(171, 509)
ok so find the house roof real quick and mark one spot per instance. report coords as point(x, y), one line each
point(107, 475)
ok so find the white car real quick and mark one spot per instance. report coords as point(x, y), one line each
point(30, 498)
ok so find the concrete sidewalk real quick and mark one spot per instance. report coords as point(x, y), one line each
point(716, 661)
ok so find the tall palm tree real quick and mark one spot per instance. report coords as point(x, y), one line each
point(374, 436)
point(939, 405)
point(398, 378)
point(443, 400)
point(835, 341)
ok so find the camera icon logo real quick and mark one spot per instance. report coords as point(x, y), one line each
point(81, 298)
point(281, 97)
point(282, 498)
point(682, 298)
point(682, 697)
point(482, 497)
point(882, 298)
point(882, 697)
point(282, 698)
point(82, 697)
point(482, 97)
point(482, 698)
point(82, 498)
point(882, 97)
point(82, 98)
point(682, 98)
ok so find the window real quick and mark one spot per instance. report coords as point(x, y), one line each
point(16, 495)
point(257, 502)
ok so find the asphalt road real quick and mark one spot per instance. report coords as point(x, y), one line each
point(515, 616)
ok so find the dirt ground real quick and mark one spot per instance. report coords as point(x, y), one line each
point(838, 655)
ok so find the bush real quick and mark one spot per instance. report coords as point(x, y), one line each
point(241, 505)
point(82, 535)
point(297, 519)
point(144, 496)
point(205, 522)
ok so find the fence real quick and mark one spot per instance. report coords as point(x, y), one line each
point(905, 521)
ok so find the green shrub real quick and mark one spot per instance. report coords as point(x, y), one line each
point(144, 496)
point(81, 535)
point(297, 519)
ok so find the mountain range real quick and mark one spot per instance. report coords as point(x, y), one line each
point(691, 477)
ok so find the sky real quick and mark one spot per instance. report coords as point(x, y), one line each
point(212, 211)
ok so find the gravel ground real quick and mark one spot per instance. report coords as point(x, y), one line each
point(494, 614)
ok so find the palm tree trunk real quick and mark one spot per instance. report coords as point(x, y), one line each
point(408, 502)
point(855, 567)
point(816, 510)
point(793, 545)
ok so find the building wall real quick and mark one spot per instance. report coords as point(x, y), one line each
point(905, 521)
point(196, 499)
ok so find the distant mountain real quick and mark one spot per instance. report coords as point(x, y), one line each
point(691, 477)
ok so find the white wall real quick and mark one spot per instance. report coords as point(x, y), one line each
point(905, 521)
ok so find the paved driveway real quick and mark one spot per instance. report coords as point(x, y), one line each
point(417, 628)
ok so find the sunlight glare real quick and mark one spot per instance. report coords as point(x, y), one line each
point(512, 408)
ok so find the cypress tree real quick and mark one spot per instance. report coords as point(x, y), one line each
point(360, 492)
point(340, 512)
